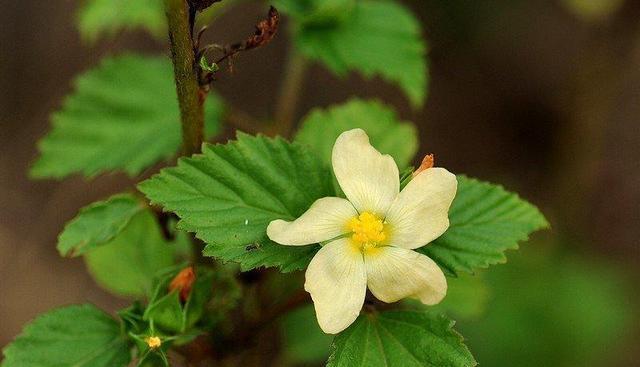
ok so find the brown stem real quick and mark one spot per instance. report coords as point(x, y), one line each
point(289, 94)
point(180, 17)
point(190, 96)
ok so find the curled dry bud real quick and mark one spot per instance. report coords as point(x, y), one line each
point(265, 30)
point(183, 281)
point(427, 162)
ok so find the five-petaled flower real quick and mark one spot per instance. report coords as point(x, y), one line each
point(368, 238)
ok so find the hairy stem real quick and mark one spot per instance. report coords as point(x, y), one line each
point(289, 94)
point(190, 96)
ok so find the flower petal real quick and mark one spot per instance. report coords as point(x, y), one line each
point(336, 279)
point(420, 213)
point(395, 273)
point(324, 220)
point(368, 178)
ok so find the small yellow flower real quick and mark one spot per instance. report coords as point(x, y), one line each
point(153, 342)
point(370, 236)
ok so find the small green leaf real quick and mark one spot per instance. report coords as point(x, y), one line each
point(123, 116)
point(376, 37)
point(400, 338)
point(127, 264)
point(387, 132)
point(79, 336)
point(204, 64)
point(97, 224)
point(107, 17)
point(486, 220)
point(230, 193)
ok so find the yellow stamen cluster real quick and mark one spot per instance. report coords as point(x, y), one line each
point(367, 230)
point(153, 342)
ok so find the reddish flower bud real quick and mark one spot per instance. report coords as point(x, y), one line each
point(427, 162)
point(183, 282)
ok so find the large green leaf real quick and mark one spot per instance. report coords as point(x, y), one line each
point(486, 220)
point(97, 224)
point(127, 264)
point(374, 37)
point(123, 116)
point(400, 338)
point(230, 193)
point(98, 17)
point(79, 336)
point(387, 132)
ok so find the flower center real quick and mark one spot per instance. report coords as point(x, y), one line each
point(153, 342)
point(368, 230)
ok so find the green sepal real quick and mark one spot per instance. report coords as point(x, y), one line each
point(131, 318)
point(406, 176)
point(166, 309)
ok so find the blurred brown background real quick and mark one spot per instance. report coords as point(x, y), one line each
point(531, 94)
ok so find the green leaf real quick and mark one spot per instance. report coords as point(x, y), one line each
point(377, 38)
point(127, 264)
point(71, 336)
point(486, 220)
point(107, 17)
point(230, 193)
point(123, 115)
point(97, 224)
point(204, 64)
point(387, 132)
point(400, 338)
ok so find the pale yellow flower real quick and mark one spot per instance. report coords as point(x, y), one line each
point(368, 238)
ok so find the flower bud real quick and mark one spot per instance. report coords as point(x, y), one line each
point(427, 162)
point(183, 281)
